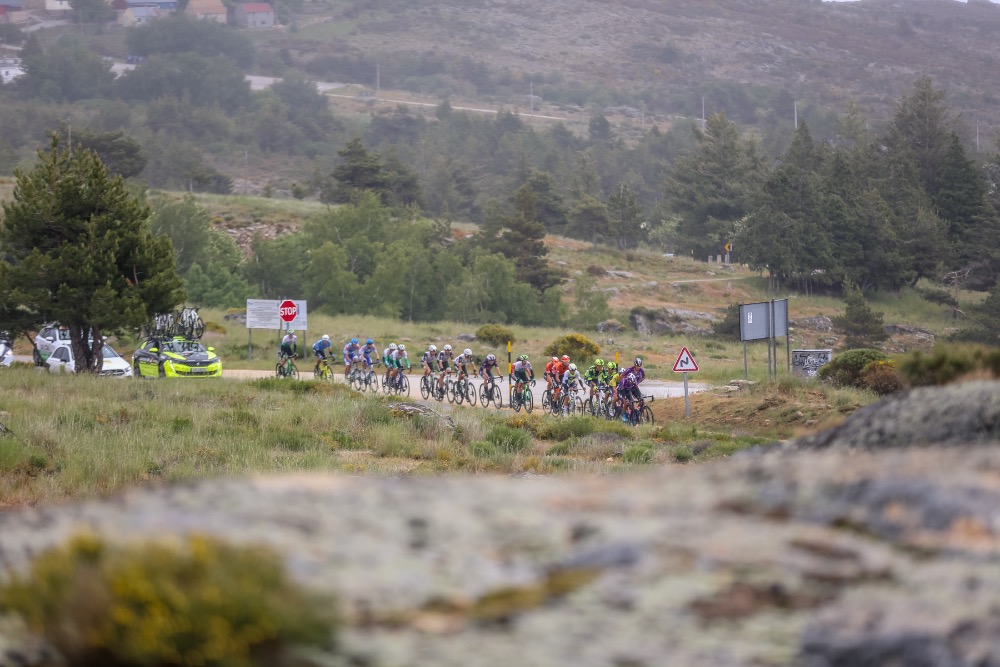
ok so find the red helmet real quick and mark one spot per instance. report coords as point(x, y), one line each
point(565, 357)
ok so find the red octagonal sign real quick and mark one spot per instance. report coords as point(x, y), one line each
point(288, 310)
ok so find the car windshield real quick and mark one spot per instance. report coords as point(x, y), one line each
point(109, 352)
point(63, 334)
point(181, 346)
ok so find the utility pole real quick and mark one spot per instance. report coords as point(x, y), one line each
point(246, 173)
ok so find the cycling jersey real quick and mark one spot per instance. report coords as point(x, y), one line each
point(550, 368)
point(386, 356)
point(594, 375)
point(289, 345)
point(570, 378)
point(640, 373)
point(367, 351)
point(559, 368)
point(521, 370)
point(444, 359)
point(486, 370)
point(429, 358)
point(321, 347)
point(351, 351)
point(400, 359)
point(627, 382)
point(463, 360)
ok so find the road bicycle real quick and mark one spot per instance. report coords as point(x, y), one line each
point(465, 391)
point(286, 367)
point(356, 377)
point(371, 377)
point(188, 323)
point(446, 389)
point(324, 372)
point(398, 385)
point(569, 402)
point(598, 404)
point(490, 392)
point(634, 412)
point(523, 398)
point(427, 386)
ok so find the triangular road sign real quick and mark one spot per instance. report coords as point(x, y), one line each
point(685, 362)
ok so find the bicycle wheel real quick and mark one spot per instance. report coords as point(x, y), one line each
point(515, 400)
point(528, 400)
point(459, 392)
point(292, 371)
point(646, 415)
point(485, 394)
point(449, 390)
point(496, 397)
point(577, 405)
point(279, 370)
point(470, 393)
point(198, 328)
point(404, 385)
point(425, 387)
point(546, 400)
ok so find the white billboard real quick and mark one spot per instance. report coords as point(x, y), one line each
point(266, 314)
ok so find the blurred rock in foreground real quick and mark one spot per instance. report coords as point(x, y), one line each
point(816, 557)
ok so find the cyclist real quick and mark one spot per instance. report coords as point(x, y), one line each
point(558, 371)
point(640, 374)
point(462, 362)
point(400, 360)
point(628, 385)
point(352, 353)
point(596, 375)
point(387, 355)
point(445, 360)
point(486, 370)
point(570, 380)
point(522, 372)
point(429, 360)
point(368, 351)
point(549, 373)
point(320, 348)
point(290, 345)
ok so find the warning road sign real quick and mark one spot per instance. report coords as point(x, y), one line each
point(685, 362)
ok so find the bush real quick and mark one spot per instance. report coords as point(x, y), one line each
point(729, 325)
point(882, 378)
point(638, 453)
point(154, 604)
point(509, 440)
point(577, 346)
point(845, 369)
point(861, 325)
point(947, 363)
point(495, 334)
point(564, 429)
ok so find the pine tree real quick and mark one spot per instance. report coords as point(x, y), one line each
point(862, 326)
point(77, 249)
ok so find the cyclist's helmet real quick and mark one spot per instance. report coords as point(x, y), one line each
point(565, 357)
point(598, 362)
point(523, 357)
point(638, 361)
point(555, 359)
point(369, 342)
point(354, 341)
point(326, 337)
point(432, 348)
point(392, 346)
point(467, 352)
point(292, 334)
point(491, 357)
point(402, 348)
point(572, 367)
point(622, 371)
point(447, 348)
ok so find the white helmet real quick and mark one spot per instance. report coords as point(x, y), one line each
point(447, 348)
point(402, 348)
point(392, 346)
point(432, 348)
point(572, 367)
point(467, 352)
point(326, 337)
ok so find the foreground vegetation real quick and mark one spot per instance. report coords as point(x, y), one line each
point(96, 436)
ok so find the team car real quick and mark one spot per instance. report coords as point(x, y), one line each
point(176, 357)
point(50, 337)
point(61, 360)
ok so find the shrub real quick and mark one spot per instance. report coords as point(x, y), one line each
point(640, 452)
point(844, 370)
point(881, 377)
point(564, 429)
point(509, 440)
point(577, 346)
point(947, 363)
point(683, 454)
point(729, 325)
point(495, 334)
point(159, 604)
point(861, 325)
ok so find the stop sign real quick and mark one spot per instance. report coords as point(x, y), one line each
point(287, 310)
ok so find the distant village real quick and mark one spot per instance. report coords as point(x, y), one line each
point(137, 12)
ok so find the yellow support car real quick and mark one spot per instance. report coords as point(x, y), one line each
point(176, 357)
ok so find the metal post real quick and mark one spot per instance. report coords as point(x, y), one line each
point(746, 375)
point(249, 344)
point(687, 399)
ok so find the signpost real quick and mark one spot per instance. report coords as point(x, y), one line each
point(765, 320)
point(686, 364)
point(283, 315)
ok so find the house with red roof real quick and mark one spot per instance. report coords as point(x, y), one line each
point(212, 10)
point(254, 15)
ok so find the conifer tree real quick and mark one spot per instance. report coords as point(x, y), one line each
point(862, 326)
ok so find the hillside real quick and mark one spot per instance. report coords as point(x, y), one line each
point(665, 55)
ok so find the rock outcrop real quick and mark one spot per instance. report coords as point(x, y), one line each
point(833, 553)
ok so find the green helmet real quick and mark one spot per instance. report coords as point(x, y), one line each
point(523, 357)
point(598, 362)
